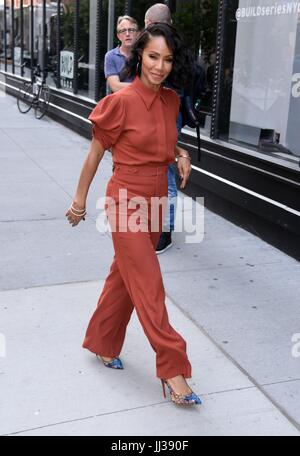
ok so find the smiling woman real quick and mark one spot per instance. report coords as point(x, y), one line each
point(169, 58)
point(157, 62)
point(138, 123)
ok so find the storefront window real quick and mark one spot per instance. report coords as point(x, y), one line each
point(38, 33)
point(26, 37)
point(66, 57)
point(18, 35)
point(9, 40)
point(87, 47)
point(51, 42)
point(196, 20)
point(85, 41)
point(261, 87)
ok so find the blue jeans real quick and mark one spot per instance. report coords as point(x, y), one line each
point(172, 199)
point(169, 221)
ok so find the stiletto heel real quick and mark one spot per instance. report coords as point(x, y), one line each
point(188, 399)
point(115, 363)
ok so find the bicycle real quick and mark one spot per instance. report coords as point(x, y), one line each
point(34, 95)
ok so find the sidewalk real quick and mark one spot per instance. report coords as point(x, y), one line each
point(233, 297)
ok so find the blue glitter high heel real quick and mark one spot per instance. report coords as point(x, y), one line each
point(116, 363)
point(188, 399)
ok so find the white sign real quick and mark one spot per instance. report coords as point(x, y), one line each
point(67, 64)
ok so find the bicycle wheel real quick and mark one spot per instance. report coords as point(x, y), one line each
point(25, 97)
point(43, 102)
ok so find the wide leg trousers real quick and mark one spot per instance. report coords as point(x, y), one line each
point(135, 280)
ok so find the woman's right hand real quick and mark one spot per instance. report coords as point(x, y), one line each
point(73, 216)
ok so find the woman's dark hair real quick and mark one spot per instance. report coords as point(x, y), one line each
point(181, 73)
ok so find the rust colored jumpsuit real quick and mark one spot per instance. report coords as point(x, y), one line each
point(139, 124)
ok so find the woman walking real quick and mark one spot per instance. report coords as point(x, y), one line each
point(139, 124)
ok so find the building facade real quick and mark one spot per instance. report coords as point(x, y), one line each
point(249, 53)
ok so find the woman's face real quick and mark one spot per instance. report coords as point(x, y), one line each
point(157, 62)
point(127, 33)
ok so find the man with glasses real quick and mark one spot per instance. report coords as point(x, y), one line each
point(114, 62)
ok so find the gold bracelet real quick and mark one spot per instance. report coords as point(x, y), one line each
point(77, 215)
point(79, 211)
point(183, 156)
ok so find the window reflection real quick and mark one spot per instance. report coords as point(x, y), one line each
point(261, 78)
point(87, 47)
point(196, 20)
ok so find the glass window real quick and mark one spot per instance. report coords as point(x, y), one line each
point(51, 42)
point(261, 87)
point(9, 40)
point(67, 44)
point(18, 37)
point(138, 10)
point(26, 37)
point(196, 20)
point(38, 33)
point(87, 47)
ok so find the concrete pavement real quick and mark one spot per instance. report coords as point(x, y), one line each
point(233, 297)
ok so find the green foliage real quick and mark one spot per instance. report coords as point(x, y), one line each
point(67, 28)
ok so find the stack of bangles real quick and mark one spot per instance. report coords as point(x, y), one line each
point(78, 212)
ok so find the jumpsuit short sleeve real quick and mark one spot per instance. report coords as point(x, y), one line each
point(108, 118)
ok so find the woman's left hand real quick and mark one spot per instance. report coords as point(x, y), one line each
point(184, 169)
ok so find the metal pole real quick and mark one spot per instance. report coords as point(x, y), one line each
point(128, 8)
point(110, 24)
point(22, 37)
point(13, 35)
point(99, 73)
point(58, 45)
point(5, 38)
point(44, 42)
point(219, 69)
point(76, 46)
point(32, 39)
point(110, 29)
